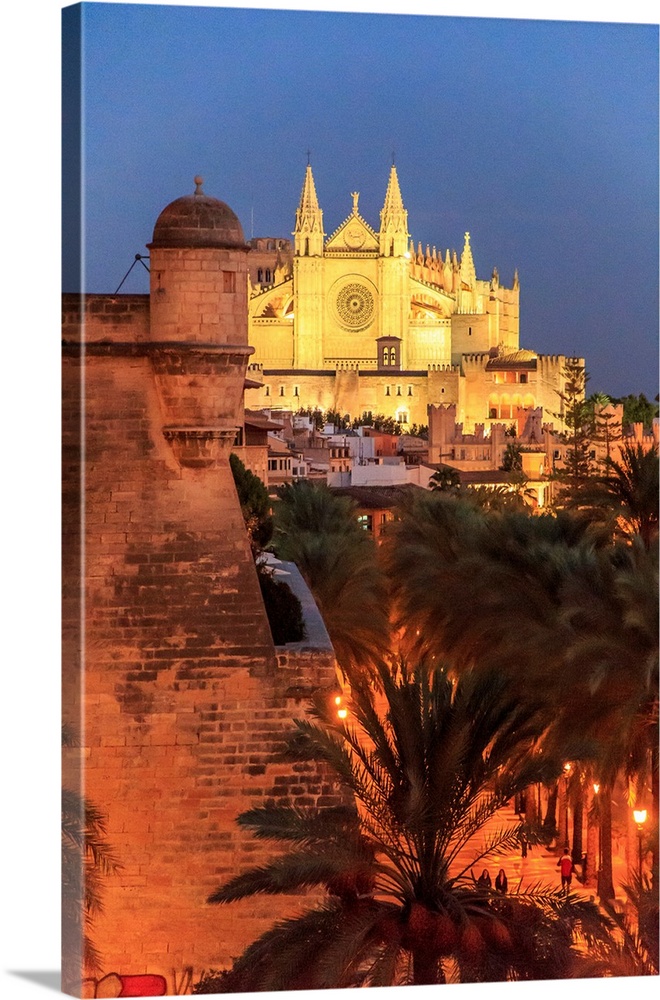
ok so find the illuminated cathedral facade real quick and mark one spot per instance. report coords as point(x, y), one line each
point(360, 321)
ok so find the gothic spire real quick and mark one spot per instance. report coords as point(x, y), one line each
point(468, 273)
point(393, 220)
point(308, 231)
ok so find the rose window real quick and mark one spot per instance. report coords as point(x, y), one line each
point(355, 306)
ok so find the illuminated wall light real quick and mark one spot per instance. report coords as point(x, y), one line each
point(342, 713)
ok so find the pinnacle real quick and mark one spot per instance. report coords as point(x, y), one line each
point(308, 200)
point(393, 200)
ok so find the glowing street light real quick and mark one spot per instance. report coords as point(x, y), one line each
point(567, 774)
point(640, 818)
point(342, 713)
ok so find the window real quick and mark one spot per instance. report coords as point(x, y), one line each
point(392, 355)
point(492, 413)
point(267, 275)
point(365, 521)
point(443, 389)
point(281, 390)
point(260, 275)
point(267, 390)
point(410, 390)
point(402, 417)
point(469, 331)
point(387, 390)
point(229, 281)
point(398, 390)
point(386, 356)
point(523, 377)
point(295, 391)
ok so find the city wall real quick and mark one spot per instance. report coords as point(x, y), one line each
point(171, 680)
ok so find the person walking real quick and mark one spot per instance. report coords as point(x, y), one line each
point(501, 882)
point(567, 870)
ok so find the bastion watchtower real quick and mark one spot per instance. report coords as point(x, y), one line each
point(171, 678)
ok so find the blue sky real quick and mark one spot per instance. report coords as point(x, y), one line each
point(539, 137)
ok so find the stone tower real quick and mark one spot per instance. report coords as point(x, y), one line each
point(308, 238)
point(393, 270)
point(171, 678)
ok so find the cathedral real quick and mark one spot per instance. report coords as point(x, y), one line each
point(360, 321)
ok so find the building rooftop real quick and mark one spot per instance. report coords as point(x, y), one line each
point(377, 497)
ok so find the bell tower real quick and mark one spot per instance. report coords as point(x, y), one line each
point(308, 279)
point(394, 266)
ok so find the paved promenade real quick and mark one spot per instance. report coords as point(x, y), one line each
point(540, 865)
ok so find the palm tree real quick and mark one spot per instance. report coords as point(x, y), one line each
point(630, 487)
point(428, 762)
point(477, 588)
point(86, 859)
point(338, 559)
point(446, 479)
point(610, 608)
point(549, 601)
point(633, 950)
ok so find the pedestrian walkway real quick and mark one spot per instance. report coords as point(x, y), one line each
point(540, 865)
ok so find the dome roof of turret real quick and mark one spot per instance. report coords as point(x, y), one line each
point(196, 220)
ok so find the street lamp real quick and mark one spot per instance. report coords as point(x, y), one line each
point(567, 774)
point(640, 819)
point(596, 788)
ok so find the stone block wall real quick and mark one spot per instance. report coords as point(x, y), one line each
point(170, 674)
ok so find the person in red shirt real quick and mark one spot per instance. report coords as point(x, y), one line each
point(567, 868)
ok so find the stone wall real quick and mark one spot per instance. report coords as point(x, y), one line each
point(171, 678)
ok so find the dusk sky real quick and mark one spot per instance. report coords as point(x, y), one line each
point(539, 137)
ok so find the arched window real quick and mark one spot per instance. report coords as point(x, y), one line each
point(260, 275)
point(267, 275)
point(386, 356)
point(392, 355)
